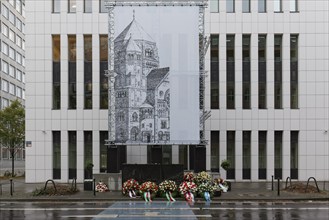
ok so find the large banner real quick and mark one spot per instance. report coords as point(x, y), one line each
point(156, 61)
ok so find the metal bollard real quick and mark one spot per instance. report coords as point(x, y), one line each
point(272, 183)
point(11, 187)
point(94, 184)
point(278, 186)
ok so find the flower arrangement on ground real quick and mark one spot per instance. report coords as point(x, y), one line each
point(168, 187)
point(189, 177)
point(101, 187)
point(202, 177)
point(187, 189)
point(222, 184)
point(148, 188)
point(206, 190)
point(130, 187)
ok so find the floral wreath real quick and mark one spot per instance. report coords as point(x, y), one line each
point(129, 185)
point(167, 186)
point(185, 187)
point(101, 187)
point(202, 177)
point(149, 186)
point(189, 177)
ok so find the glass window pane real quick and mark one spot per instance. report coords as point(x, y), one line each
point(214, 5)
point(230, 6)
point(87, 6)
point(56, 6)
point(102, 8)
point(72, 6)
point(246, 6)
point(277, 5)
point(293, 5)
point(261, 6)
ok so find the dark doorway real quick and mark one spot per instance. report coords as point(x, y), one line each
point(198, 158)
point(154, 154)
point(116, 156)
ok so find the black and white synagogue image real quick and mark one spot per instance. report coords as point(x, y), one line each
point(142, 88)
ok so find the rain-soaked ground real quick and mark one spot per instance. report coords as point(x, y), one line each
point(164, 210)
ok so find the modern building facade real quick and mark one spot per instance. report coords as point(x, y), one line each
point(12, 58)
point(267, 89)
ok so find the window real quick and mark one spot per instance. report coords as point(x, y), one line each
point(12, 35)
point(262, 152)
point(246, 86)
point(103, 136)
point(5, 11)
point(230, 72)
point(230, 151)
point(214, 6)
point(72, 154)
point(278, 71)
point(293, 5)
point(88, 153)
point(72, 6)
point(4, 48)
point(5, 67)
point(261, 6)
point(12, 2)
point(4, 85)
point(262, 85)
point(183, 155)
point(277, 5)
point(12, 53)
point(87, 6)
point(246, 6)
point(230, 6)
point(56, 154)
point(18, 41)
point(102, 8)
point(214, 151)
point(4, 102)
point(19, 92)
point(214, 71)
point(56, 72)
point(19, 24)
point(12, 18)
point(294, 71)
point(72, 72)
point(19, 75)
point(246, 154)
point(294, 154)
point(278, 154)
point(56, 6)
point(103, 63)
point(18, 6)
point(12, 71)
point(4, 29)
point(18, 58)
point(88, 72)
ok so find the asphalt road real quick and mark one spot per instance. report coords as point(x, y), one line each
point(164, 210)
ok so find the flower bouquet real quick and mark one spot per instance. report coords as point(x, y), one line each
point(206, 190)
point(129, 187)
point(101, 187)
point(168, 187)
point(202, 177)
point(187, 189)
point(189, 177)
point(148, 188)
point(222, 184)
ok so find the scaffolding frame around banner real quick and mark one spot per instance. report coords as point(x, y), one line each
point(110, 73)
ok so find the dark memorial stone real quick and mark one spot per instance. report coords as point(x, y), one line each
point(153, 172)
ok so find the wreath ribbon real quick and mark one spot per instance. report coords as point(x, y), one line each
point(169, 197)
point(189, 197)
point(207, 196)
point(147, 197)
